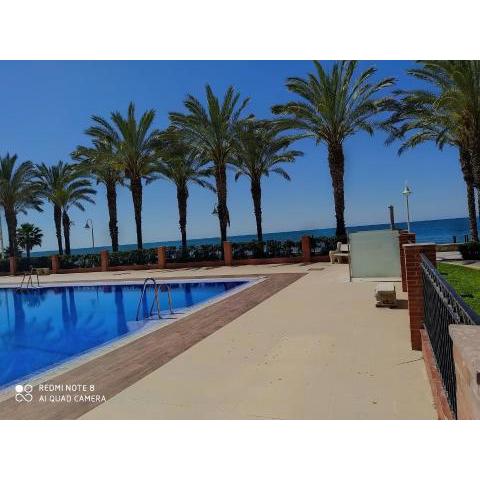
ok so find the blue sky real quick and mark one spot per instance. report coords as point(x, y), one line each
point(46, 106)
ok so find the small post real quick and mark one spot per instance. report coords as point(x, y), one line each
point(415, 287)
point(104, 260)
point(227, 254)
point(162, 257)
point(55, 264)
point(392, 217)
point(306, 248)
point(13, 265)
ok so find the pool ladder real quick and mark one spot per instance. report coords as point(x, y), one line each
point(156, 298)
point(28, 276)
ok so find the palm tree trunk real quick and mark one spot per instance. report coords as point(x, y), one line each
point(221, 182)
point(336, 164)
point(182, 196)
point(66, 231)
point(112, 214)
point(11, 219)
point(256, 190)
point(472, 212)
point(57, 216)
point(27, 251)
point(467, 170)
point(136, 188)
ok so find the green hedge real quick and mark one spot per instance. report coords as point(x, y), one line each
point(24, 265)
point(5, 265)
point(268, 249)
point(134, 257)
point(79, 261)
point(322, 245)
point(194, 253)
point(470, 250)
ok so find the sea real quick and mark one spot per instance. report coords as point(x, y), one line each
point(438, 231)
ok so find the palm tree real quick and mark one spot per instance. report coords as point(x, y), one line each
point(18, 192)
point(29, 236)
point(78, 189)
point(419, 116)
point(333, 106)
point(134, 143)
point(182, 165)
point(259, 151)
point(63, 185)
point(212, 132)
point(100, 161)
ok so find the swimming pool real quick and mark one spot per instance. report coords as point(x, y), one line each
point(42, 327)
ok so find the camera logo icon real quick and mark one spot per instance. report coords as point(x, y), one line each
point(23, 393)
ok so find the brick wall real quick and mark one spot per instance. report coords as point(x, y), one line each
point(415, 286)
point(404, 238)
point(466, 355)
point(438, 391)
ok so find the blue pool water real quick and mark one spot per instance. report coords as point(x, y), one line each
point(42, 327)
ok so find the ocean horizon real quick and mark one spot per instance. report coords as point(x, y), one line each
point(437, 231)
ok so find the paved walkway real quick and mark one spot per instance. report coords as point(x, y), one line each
point(318, 349)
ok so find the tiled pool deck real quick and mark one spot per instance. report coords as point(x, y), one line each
point(304, 344)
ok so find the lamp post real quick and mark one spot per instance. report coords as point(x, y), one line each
point(89, 225)
point(406, 192)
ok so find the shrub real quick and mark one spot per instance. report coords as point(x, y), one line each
point(194, 253)
point(134, 257)
point(268, 249)
point(79, 261)
point(24, 264)
point(4, 265)
point(322, 245)
point(470, 250)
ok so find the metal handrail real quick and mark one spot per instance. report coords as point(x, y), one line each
point(29, 279)
point(443, 307)
point(460, 311)
point(156, 299)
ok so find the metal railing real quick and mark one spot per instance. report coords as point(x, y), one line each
point(443, 307)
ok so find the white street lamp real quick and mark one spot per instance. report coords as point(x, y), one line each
point(406, 192)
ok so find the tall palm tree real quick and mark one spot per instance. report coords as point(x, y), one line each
point(101, 162)
point(29, 236)
point(259, 151)
point(78, 189)
point(333, 106)
point(52, 178)
point(420, 116)
point(134, 143)
point(18, 192)
point(182, 165)
point(211, 131)
point(63, 185)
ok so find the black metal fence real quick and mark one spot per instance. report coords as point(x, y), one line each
point(443, 307)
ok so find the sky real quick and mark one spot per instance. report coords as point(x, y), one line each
point(46, 107)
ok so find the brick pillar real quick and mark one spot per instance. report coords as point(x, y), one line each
point(162, 257)
point(306, 248)
point(415, 286)
point(104, 260)
point(13, 265)
point(466, 355)
point(227, 254)
point(404, 238)
point(55, 264)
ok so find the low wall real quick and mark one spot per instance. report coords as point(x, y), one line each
point(448, 247)
point(466, 355)
point(438, 391)
point(163, 262)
